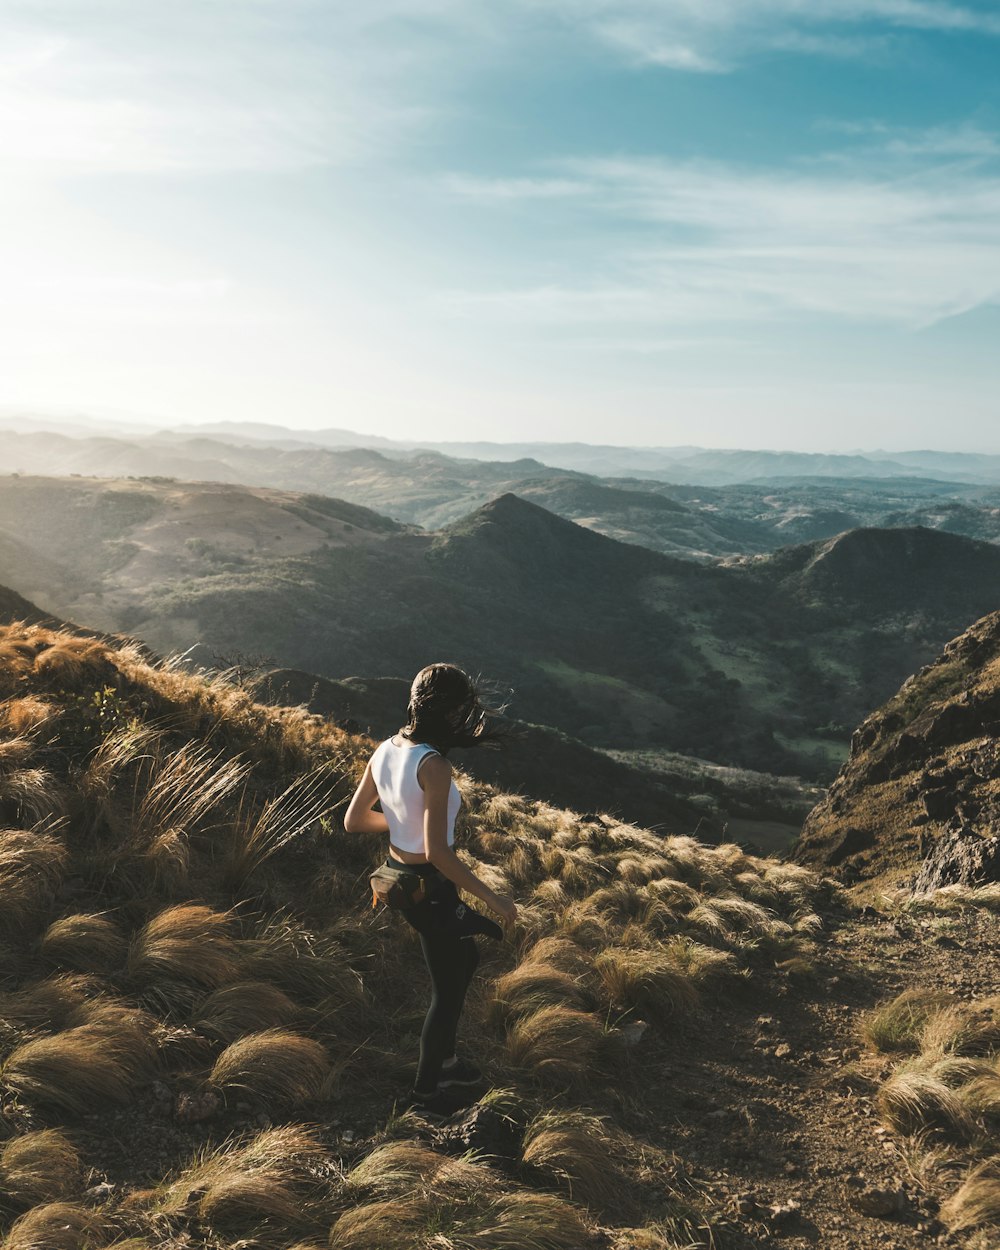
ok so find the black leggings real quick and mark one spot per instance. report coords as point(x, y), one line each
point(451, 960)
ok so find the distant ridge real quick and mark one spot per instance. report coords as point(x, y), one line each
point(925, 763)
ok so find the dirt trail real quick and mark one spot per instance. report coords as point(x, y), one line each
point(774, 1099)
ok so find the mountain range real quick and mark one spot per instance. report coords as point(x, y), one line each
point(766, 662)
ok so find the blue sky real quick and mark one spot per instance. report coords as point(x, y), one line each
point(756, 223)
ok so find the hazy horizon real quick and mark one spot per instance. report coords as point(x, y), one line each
point(737, 225)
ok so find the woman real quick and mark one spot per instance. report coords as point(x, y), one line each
point(411, 778)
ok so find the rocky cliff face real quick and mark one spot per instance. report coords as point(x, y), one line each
point(922, 768)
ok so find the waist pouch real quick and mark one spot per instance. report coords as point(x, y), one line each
point(403, 885)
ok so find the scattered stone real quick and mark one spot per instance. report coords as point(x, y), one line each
point(347, 1135)
point(632, 1033)
point(882, 1203)
point(746, 1204)
point(100, 1192)
point(782, 1050)
point(483, 1129)
point(785, 1211)
point(193, 1106)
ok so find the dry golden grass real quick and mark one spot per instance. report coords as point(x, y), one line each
point(279, 1067)
point(184, 790)
point(310, 966)
point(56, 1002)
point(897, 1026)
point(245, 1007)
point(56, 1226)
point(300, 807)
point(520, 1220)
point(914, 1099)
point(179, 790)
point(38, 1167)
point(76, 664)
point(977, 1201)
point(576, 1152)
point(85, 943)
point(86, 1067)
point(399, 1223)
point(532, 985)
point(181, 952)
point(26, 715)
point(650, 980)
point(963, 1029)
point(273, 1187)
point(31, 866)
point(559, 1045)
point(398, 1168)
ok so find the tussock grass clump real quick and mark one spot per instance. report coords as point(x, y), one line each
point(56, 1002)
point(898, 1025)
point(245, 1007)
point(27, 714)
point(31, 865)
point(913, 1099)
point(401, 1223)
point(185, 788)
point(652, 980)
point(86, 1067)
point(559, 1045)
point(85, 943)
point(977, 1201)
point(76, 664)
point(576, 1152)
point(310, 966)
point(39, 1167)
point(184, 950)
point(278, 1066)
point(301, 806)
point(56, 1226)
point(533, 985)
point(398, 1168)
point(982, 1093)
point(278, 1181)
point(963, 1029)
point(521, 1220)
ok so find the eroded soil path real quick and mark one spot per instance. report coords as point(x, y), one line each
point(773, 1100)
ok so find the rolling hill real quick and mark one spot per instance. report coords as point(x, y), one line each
point(765, 664)
point(428, 488)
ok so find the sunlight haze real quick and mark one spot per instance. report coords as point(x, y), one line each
point(751, 223)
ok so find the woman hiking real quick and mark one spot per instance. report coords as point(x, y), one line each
point(409, 775)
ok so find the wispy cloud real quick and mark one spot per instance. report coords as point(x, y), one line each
point(715, 35)
point(723, 243)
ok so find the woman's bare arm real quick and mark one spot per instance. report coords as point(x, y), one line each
point(359, 817)
point(435, 780)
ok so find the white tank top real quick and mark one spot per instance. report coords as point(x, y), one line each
point(394, 771)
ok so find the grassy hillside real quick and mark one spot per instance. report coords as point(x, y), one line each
point(196, 1000)
point(764, 664)
point(204, 1027)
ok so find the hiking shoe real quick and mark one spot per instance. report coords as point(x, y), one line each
point(436, 1107)
point(462, 1072)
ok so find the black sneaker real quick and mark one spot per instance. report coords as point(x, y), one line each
point(436, 1106)
point(462, 1072)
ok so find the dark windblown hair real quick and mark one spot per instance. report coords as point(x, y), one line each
point(446, 709)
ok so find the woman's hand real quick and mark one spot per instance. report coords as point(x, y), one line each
point(506, 909)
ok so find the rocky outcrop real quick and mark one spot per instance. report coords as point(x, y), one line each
point(923, 779)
